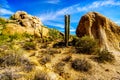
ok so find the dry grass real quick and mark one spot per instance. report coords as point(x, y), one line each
point(59, 68)
point(81, 65)
point(104, 56)
point(45, 59)
point(41, 76)
point(10, 58)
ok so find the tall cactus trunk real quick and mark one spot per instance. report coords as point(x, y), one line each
point(67, 29)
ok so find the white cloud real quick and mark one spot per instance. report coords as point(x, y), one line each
point(4, 4)
point(5, 8)
point(55, 15)
point(72, 30)
point(76, 8)
point(5, 12)
point(47, 16)
point(98, 4)
point(60, 25)
point(52, 1)
point(117, 22)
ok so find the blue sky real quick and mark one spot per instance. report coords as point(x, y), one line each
point(51, 12)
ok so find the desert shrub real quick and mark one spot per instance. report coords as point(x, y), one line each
point(45, 59)
point(74, 40)
point(28, 67)
point(2, 24)
point(10, 58)
point(81, 65)
point(104, 56)
point(29, 45)
point(10, 74)
point(26, 64)
point(67, 59)
point(10, 38)
point(26, 35)
point(86, 45)
point(7, 76)
point(59, 67)
point(2, 20)
point(59, 45)
point(15, 36)
point(12, 17)
point(41, 76)
point(46, 39)
point(4, 38)
point(55, 34)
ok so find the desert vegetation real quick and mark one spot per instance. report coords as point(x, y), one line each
point(29, 57)
point(81, 65)
point(104, 56)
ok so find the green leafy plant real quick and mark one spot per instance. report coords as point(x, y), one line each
point(86, 45)
point(81, 65)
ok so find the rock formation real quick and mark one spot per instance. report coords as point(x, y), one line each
point(100, 28)
point(22, 22)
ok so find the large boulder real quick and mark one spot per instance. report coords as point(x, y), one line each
point(100, 28)
point(22, 22)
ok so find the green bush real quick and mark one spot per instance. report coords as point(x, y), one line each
point(55, 34)
point(4, 38)
point(15, 36)
point(2, 24)
point(81, 65)
point(26, 35)
point(86, 45)
point(74, 40)
point(12, 17)
point(29, 46)
point(104, 56)
point(7, 37)
point(2, 20)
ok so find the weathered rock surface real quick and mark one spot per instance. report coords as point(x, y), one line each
point(22, 22)
point(100, 28)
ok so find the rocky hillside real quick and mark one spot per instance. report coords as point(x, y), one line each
point(21, 22)
point(100, 28)
point(23, 56)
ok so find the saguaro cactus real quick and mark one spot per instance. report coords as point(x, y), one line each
point(67, 29)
